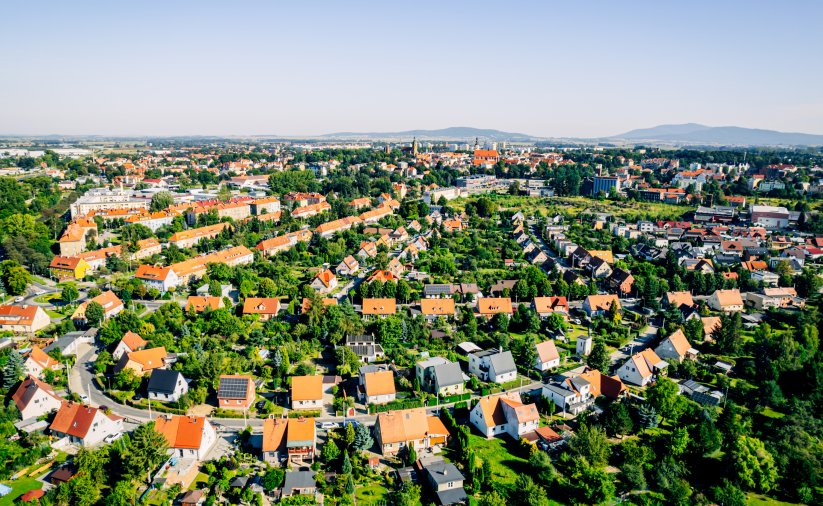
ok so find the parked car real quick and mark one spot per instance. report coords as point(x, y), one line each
point(19, 299)
point(113, 437)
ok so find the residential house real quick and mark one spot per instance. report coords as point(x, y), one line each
point(620, 281)
point(546, 306)
point(267, 308)
point(599, 268)
point(301, 437)
point(676, 347)
point(188, 437)
point(129, 343)
point(35, 398)
point(395, 430)
point(726, 300)
point(440, 376)
point(23, 319)
point(236, 392)
point(307, 392)
point(142, 361)
point(434, 308)
point(378, 387)
point(493, 365)
point(641, 368)
point(446, 482)
point(598, 305)
point(366, 348)
point(166, 385)
point(299, 483)
point(274, 440)
point(191, 237)
point(38, 362)
point(572, 395)
point(711, 324)
point(546, 357)
point(162, 279)
point(348, 267)
point(504, 413)
point(324, 282)
point(63, 268)
point(678, 299)
point(112, 306)
point(201, 303)
point(487, 307)
point(84, 425)
point(69, 343)
point(379, 308)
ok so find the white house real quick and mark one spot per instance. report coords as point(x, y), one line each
point(348, 266)
point(167, 385)
point(547, 356)
point(641, 368)
point(504, 414)
point(163, 279)
point(188, 436)
point(38, 362)
point(85, 425)
point(129, 343)
point(675, 347)
point(493, 365)
point(35, 398)
point(307, 392)
point(726, 300)
point(378, 386)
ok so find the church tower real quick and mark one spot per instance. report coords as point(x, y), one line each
point(414, 147)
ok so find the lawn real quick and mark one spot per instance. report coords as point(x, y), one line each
point(371, 495)
point(502, 453)
point(762, 500)
point(200, 481)
point(18, 488)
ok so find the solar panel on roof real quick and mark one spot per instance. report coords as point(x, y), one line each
point(233, 388)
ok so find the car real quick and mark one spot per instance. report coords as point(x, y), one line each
point(137, 397)
point(104, 408)
point(576, 321)
point(84, 397)
point(329, 425)
point(19, 299)
point(113, 437)
point(261, 405)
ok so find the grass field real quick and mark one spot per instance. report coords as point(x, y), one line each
point(502, 452)
point(371, 495)
point(762, 500)
point(18, 488)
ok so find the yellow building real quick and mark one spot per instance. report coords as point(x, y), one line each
point(63, 268)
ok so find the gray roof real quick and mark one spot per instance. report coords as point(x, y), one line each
point(432, 362)
point(65, 340)
point(298, 479)
point(163, 381)
point(448, 374)
point(443, 472)
point(437, 289)
point(503, 362)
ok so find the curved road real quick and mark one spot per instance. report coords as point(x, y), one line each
point(81, 382)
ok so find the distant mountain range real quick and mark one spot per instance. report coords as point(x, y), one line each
point(694, 133)
point(451, 133)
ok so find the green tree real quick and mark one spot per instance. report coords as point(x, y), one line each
point(753, 465)
point(69, 293)
point(412, 453)
point(528, 492)
point(330, 451)
point(273, 478)
point(349, 437)
point(145, 451)
point(13, 370)
point(591, 443)
point(542, 468)
point(161, 201)
point(599, 357)
point(663, 397)
point(729, 495)
point(362, 437)
point(346, 467)
point(648, 416)
point(407, 495)
point(14, 277)
point(95, 313)
point(618, 419)
point(124, 493)
point(492, 498)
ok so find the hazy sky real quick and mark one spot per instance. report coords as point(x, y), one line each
point(575, 68)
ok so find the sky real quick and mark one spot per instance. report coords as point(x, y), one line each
point(545, 68)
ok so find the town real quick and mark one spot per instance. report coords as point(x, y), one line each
point(409, 322)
